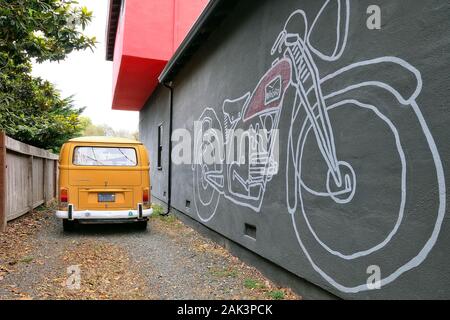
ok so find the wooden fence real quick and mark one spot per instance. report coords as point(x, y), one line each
point(28, 178)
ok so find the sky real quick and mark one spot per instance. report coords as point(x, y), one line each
point(88, 76)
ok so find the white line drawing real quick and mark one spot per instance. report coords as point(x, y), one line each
point(258, 112)
point(296, 67)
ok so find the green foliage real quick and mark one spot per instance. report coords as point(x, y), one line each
point(31, 109)
point(253, 284)
point(224, 272)
point(159, 213)
point(105, 130)
point(276, 294)
point(91, 129)
point(47, 30)
point(157, 210)
point(27, 259)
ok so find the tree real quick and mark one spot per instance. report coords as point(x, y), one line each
point(91, 129)
point(31, 109)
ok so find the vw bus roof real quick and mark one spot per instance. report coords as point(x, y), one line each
point(105, 140)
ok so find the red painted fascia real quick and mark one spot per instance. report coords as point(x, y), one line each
point(148, 34)
point(138, 77)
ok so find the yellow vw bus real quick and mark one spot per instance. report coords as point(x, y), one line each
point(103, 180)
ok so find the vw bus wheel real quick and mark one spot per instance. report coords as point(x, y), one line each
point(141, 225)
point(68, 225)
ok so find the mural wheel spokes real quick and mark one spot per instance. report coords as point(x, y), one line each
point(206, 193)
point(375, 223)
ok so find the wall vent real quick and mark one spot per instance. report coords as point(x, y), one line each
point(250, 231)
point(188, 204)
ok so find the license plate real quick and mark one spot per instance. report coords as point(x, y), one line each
point(106, 197)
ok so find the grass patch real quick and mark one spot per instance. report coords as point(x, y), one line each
point(170, 218)
point(276, 294)
point(157, 210)
point(224, 273)
point(159, 213)
point(253, 284)
point(46, 207)
point(27, 259)
point(41, 208)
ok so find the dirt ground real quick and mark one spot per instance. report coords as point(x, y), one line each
point(168, 261)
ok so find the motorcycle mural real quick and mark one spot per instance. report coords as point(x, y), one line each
point(323, 109)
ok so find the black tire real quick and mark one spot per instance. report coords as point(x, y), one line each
point(141, 225)
point(68, 225)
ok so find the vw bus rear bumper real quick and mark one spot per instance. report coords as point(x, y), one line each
point(105, 214)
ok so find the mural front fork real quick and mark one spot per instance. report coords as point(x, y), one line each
point(340, 176)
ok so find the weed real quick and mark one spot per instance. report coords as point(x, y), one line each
point(26, 259)
point(253, 284)
point(158, 213)
point(276, 294)
point(224, 273)
point(157, 210)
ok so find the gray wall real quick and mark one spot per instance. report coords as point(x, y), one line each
point(150, 118)
point(390, 123)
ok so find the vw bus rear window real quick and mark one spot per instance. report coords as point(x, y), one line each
point(104, 156)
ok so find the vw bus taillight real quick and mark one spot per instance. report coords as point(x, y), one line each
point(146, 197)
point(63, 197)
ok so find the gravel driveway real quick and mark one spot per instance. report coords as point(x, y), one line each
point(168, 261)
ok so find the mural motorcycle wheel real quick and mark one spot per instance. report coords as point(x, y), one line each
point(206, 197)
point(397, 158)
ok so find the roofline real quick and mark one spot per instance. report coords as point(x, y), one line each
point(210, 19)
point(111, 28)
point(103, 140)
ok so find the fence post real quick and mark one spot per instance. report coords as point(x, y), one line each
point(45, 181)
point(2, 182)
point(30, 184)
point(55, 178)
